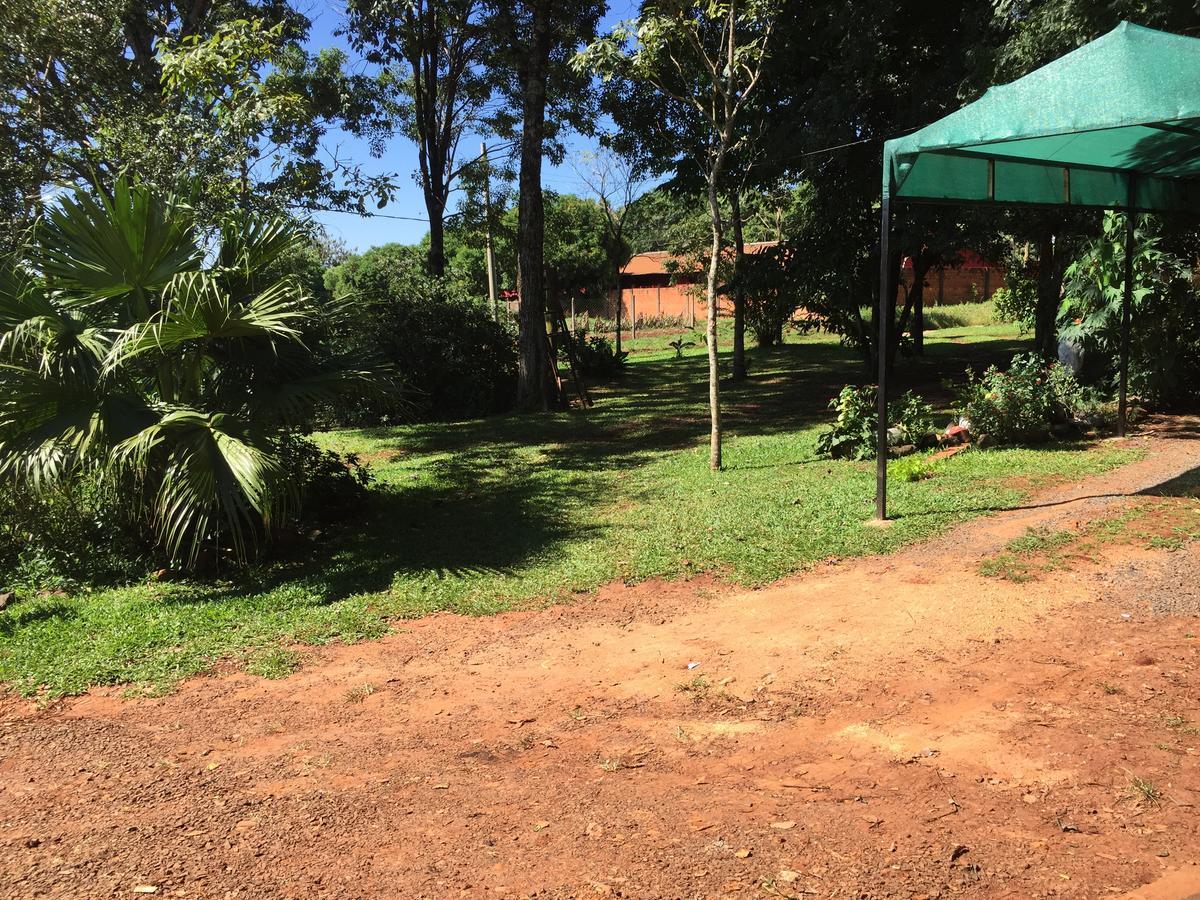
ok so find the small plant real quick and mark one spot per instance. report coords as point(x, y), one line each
point(852, 434)
point(1021, 405)
point(911, 468)
point(1145, 789)
point(914, 417)
point(272, 662)
point(1109, 688)
point(597, 356)
point(679, 345)
point(359, 692)
point(697, 688)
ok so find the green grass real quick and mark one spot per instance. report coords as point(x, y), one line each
point(482, 516)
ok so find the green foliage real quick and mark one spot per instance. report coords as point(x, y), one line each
point(1021, 405)
point(768, 280)
point(914, 417)
point(452, 358)
point(1165, 345)
point(679, 345)
point(134, 359)
point(1016, 302)
point(597, 356)
point(517, 512)
point(852, 434)
point(68, 536)
point(330, 484)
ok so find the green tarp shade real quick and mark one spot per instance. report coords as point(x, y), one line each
point(1071, 132)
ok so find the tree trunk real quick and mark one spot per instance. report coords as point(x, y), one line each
point(435, 259)
point(1049, 291)
point(917, 297)
point(533, 387)
point(714, 382)
point(739, 295)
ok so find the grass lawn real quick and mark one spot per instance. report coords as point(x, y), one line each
point(482, 516)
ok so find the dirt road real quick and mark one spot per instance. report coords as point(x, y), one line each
point(899, 726)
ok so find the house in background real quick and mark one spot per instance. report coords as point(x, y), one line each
point(973, 280)
point(661, 285)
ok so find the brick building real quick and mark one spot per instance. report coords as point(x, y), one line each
point(973, 280)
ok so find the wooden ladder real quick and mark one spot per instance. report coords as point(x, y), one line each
point(559, 336)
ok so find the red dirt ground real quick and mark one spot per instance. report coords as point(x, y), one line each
point(897, 726)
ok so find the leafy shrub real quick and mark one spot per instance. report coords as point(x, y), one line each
point(913, 417)
point(597, 356)
point(853, 431)
point(453, 360)
point(1164, 361)
point(917, 467)
point(1020, 405)
point(70, 534)
point(331, 485)
point(852, 434)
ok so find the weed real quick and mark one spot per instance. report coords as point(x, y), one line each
point(1109, 688)
point(1040, 540)
point(1145, 789)
point(358, 693)
point(1179, 723)
point(697, 688)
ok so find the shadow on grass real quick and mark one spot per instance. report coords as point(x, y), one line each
point(509, 490)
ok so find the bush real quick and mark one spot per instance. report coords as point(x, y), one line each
point(852, 434)
point(453, 360)
point(70, 534)
point(1021, 405)
point(1164, 365)
point(331, 485)
point(914, 419)
point(597, 356)
point(853, 431)
point(142, 355)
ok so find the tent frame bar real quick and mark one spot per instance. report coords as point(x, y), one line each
point(885, 313)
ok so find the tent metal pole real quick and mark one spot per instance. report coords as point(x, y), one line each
point(884, 315)
point(1126, 313)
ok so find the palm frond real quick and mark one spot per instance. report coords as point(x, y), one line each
point(215, 484)
point(196, 307)
point(123, 245)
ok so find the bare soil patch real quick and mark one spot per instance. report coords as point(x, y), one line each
point(899, 726)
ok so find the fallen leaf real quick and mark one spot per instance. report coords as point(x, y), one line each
point(742, 854)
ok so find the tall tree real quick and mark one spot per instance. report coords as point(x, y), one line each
point(82, 95)
point(708, 57)
point(536, 41)
point(436, 50)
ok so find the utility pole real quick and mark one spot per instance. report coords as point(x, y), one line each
point(487, 211)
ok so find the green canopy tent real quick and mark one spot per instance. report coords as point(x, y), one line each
point(1112, 125)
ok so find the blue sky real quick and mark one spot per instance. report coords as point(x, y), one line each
point(359, 232)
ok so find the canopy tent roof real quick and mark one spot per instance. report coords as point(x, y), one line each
point(1070, 133)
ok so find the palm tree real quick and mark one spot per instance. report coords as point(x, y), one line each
point(129, 352)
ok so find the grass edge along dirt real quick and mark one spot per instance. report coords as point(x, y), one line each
point(489, 515)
